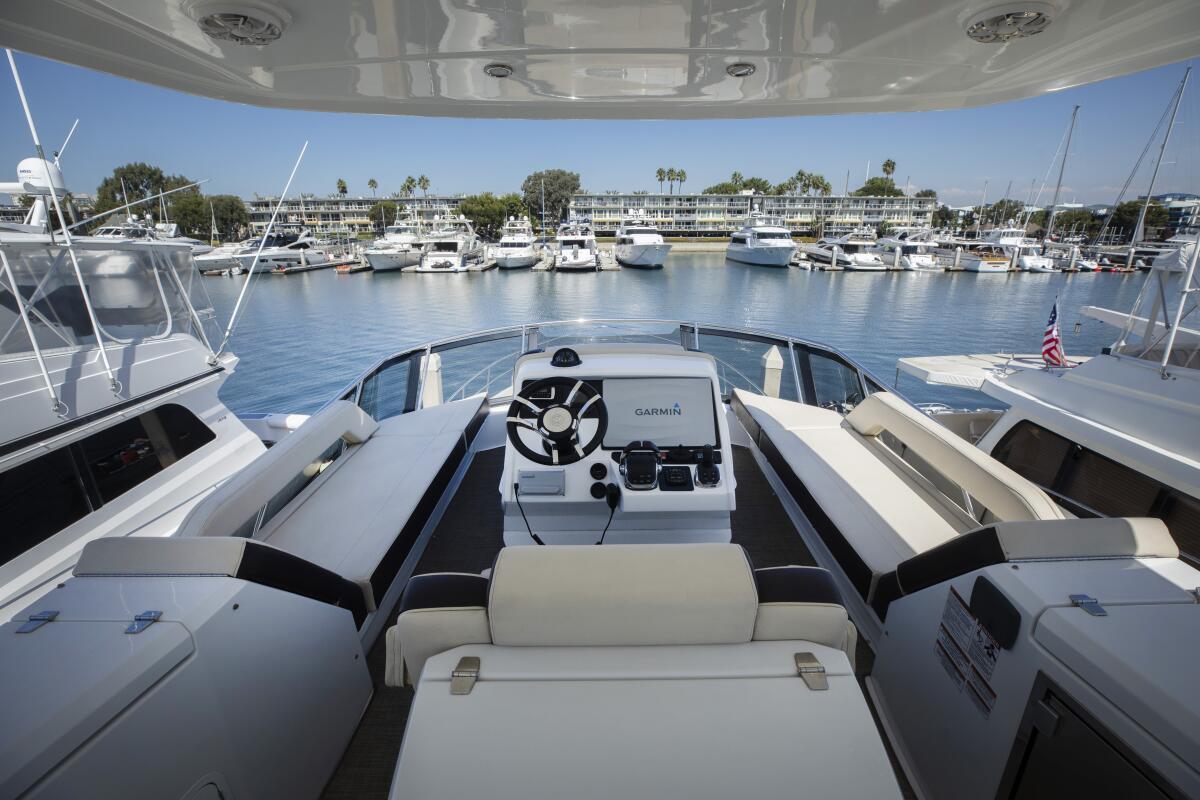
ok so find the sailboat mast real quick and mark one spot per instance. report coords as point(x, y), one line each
point(1139, 229)
point(1061, 170)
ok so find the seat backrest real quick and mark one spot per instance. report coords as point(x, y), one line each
point(1007, 495)
point(647, 594)
point(237, 500)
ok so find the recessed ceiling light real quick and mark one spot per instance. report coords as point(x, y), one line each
point(740, 70)
point(1002, 24)
point(498, 70)
point(249, 23)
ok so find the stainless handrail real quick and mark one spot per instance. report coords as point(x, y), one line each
point(524, 329)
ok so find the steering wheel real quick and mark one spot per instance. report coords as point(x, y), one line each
point(557, 423)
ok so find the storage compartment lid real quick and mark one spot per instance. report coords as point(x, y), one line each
point(64, 681)
point(1142, 658)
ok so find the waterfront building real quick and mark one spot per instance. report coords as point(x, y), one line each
point(342, 215)
point(719, 215)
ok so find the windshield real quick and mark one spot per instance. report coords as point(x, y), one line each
point(772, 235)
point(137, 294)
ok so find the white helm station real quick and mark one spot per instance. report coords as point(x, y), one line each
point(598, 558)
point(620, 443)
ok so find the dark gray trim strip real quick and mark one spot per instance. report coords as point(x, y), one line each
point(65, 427)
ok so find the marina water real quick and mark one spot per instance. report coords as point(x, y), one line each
point(304, 336)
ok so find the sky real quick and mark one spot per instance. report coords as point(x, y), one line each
point(245, 150)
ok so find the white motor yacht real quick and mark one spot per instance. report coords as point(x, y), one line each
point(639, 244)
point(451, 246)
point(762, 241)
point(979, 256)
point(1027, 251)
point(400, 246)
point(103, 444)
point(134, 229)
point(655, 558)
point(575, 248)
point(857, 251)
point(284, 251)
point(517, 247)
point(911, 251)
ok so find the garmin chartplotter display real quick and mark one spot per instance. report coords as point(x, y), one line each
point(666, 411)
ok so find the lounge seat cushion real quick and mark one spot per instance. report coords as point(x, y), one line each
point(438, 612)
point(647, 594)
point(350, 523)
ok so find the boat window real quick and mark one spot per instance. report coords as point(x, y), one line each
point(1033, 452)
point(772, 235)
point(514, 244)
point(755, 364)
point(835, 383)
point(445, 247)
point(37, 500)
point(385, 393)
point(41, 497)
point(650, 231)
point(123, 456)
point(738, 239)
point(1089, 484)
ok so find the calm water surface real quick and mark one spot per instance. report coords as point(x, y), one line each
point(302, 337)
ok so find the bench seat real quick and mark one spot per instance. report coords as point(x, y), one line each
point(362, 511)
point(871, 510)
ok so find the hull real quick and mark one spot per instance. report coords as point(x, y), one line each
point(760, 256)
point(518, 260)
point(569, 264)
point(874, 265)
point(919, 264)
point(974, 265)
point(383, 261)
point(647, 256)
point(219, 264)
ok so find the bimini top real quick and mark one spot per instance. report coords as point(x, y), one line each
point(618, 58)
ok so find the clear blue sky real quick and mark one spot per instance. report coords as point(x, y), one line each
point(245, 150)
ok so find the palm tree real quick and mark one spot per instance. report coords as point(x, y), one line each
point(341, 187)
point(409, 186)
point(737, 180)
point(423, 182)
point(672, 176)
point(889, 167)
point(372, 184)
point(661, 175)
point(681, 176)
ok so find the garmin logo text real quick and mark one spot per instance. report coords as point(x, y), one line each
point(674, 411)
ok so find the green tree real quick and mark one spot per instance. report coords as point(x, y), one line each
point(736, 180)
point(661, 176)
point(381, 213)
point(672, 176)
point(341, 187)
point(757, 185)
point(878, 187)
point(140, 180)
point(1125, 217)
point(488, 212)
point(372, 184)
point(943, 217)
point(889, 168)
point(423, 185)
point(1077, 219)
point(560, 185)
point(681, 178)
point(191, 212)
point(409, 187)
point(818, 185)
point(1004, 210)
point(926, 193)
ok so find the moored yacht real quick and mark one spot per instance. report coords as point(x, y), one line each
point(1021, 250)
point(282, 251)
point(909, 250)
point(400, 246)
point(984, 257)
point(575, 248)
point(517, 248)
point(656, 558)
point(762, 241)
point(451, 246)
point(639, 244)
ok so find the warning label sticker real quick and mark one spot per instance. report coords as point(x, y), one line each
point(967, 652)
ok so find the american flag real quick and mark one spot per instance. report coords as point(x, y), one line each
point(1052, 347)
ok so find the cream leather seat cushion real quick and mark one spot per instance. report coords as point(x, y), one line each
point(1115, 537)
point(647, 594)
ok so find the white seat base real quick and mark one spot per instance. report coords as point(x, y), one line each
point(664, 721)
